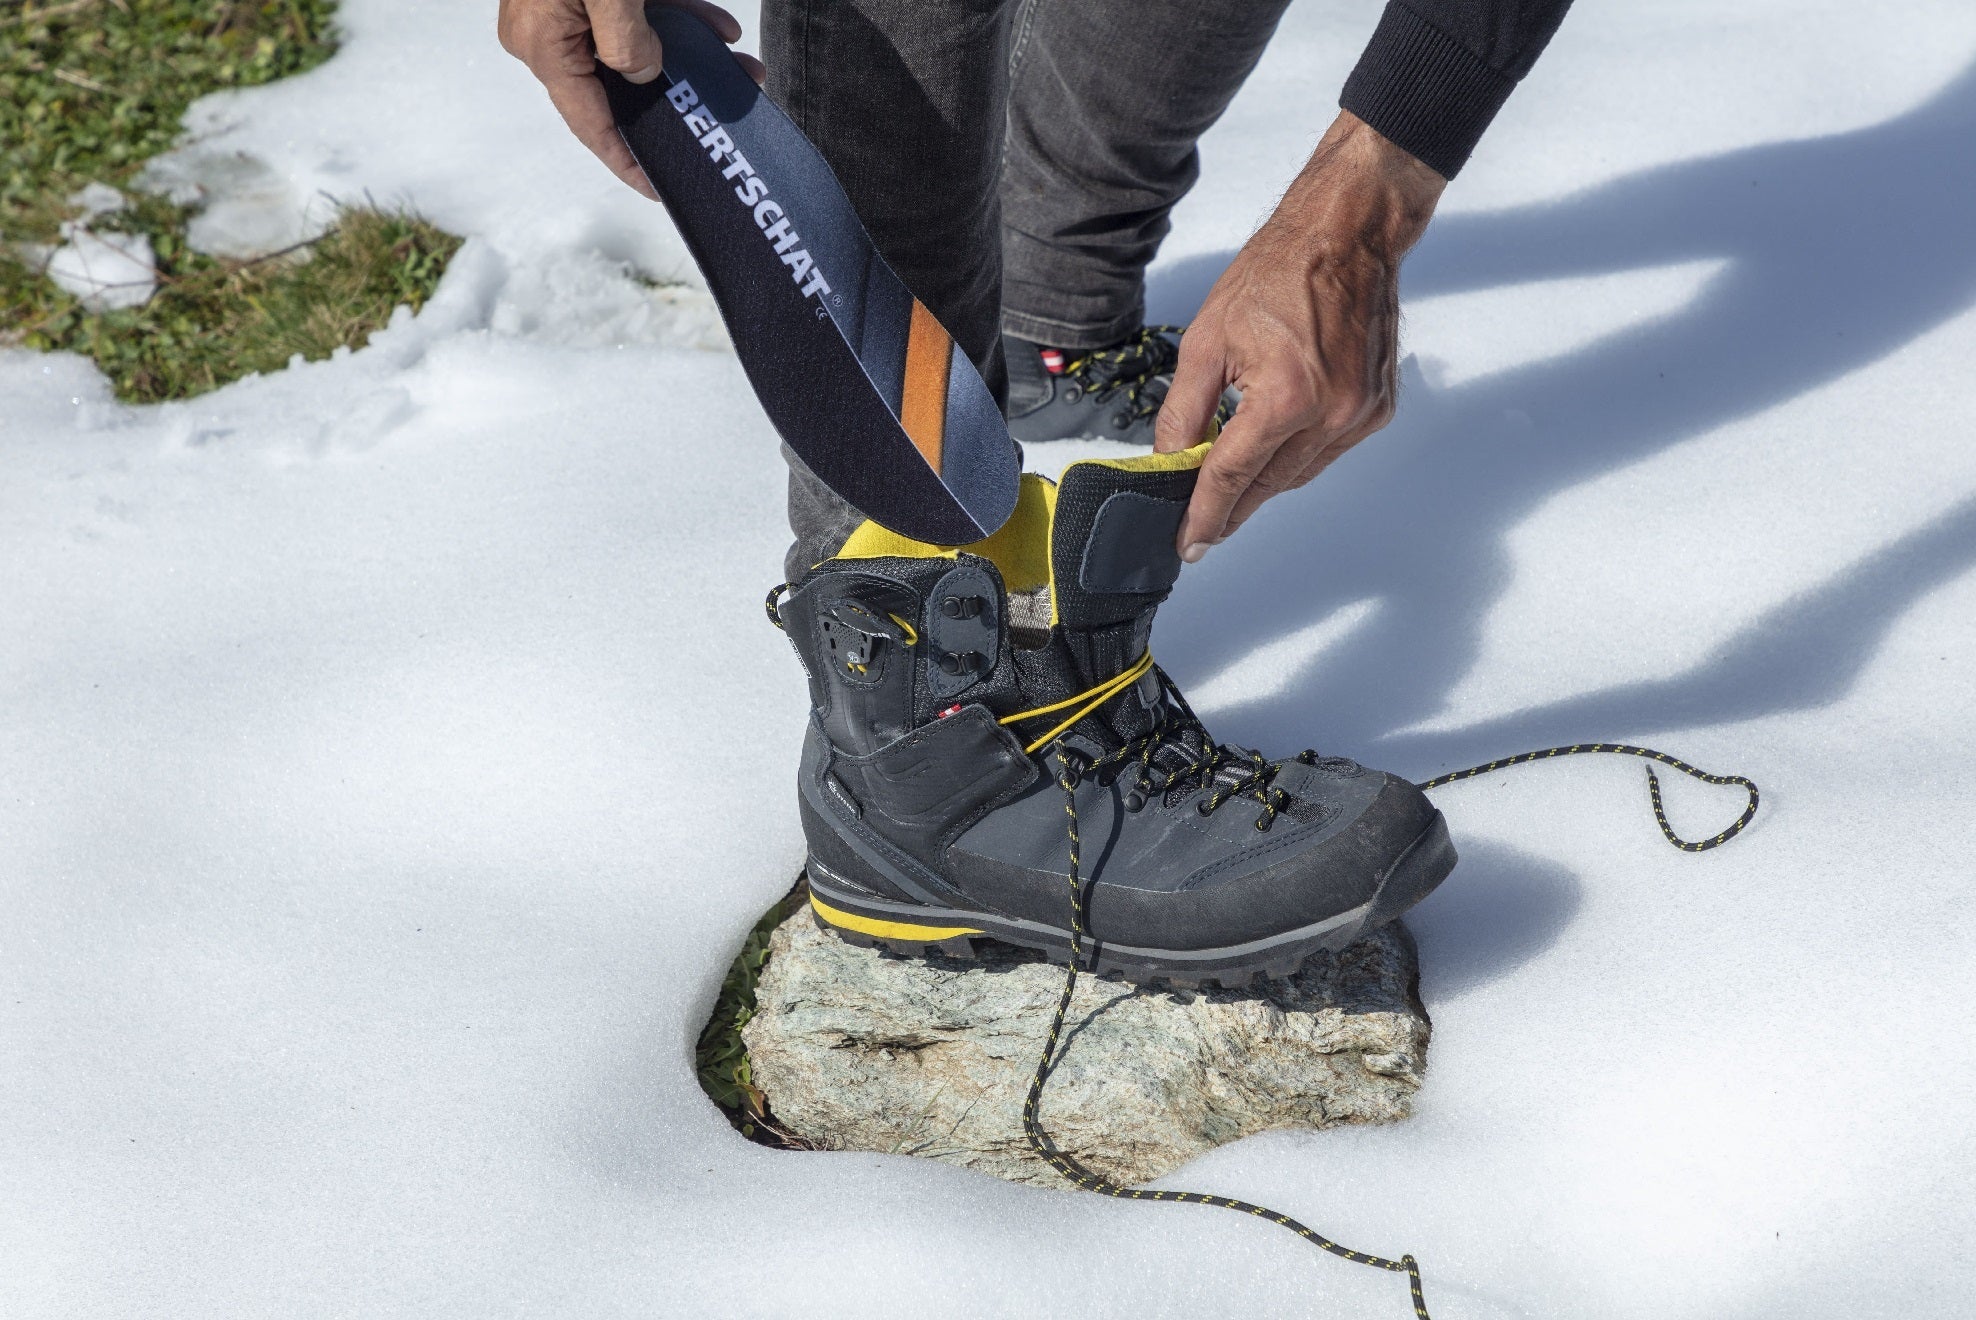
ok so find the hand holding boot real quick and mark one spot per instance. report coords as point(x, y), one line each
point(1305, 324)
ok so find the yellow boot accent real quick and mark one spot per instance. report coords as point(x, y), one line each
point(887, 930)
point(1180, 460)
point(1021, 549)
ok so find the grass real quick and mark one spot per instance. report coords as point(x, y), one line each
point(215, 321)
point(722, 1057)
point(92, 89)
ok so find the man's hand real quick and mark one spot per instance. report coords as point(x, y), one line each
point(1305, 324)
point(563, 41)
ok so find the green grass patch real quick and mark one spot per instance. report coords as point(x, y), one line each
point(92, 89)
point(215, 321)
point(722, 1056)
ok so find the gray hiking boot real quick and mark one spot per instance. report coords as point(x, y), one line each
point(1097, 394)
point(963, 699)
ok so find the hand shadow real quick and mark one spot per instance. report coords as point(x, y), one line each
point(1837, 251)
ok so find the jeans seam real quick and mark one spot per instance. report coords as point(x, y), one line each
point(1019, 40)
point(801, 93)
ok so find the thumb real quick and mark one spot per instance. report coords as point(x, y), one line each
point(1188, 409)
point(624, 40)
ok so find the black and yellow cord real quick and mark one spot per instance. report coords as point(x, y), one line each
point(1068, 777)
point(1070, 1169)
point(1092, 698)
point(1653, 784)
point(1142, 346)
point(1153, 358)
point(1251, 773)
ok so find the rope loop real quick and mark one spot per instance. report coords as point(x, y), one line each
point(1653, 784)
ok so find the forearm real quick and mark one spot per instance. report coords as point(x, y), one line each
point(1436, 71)
point(1358, 190)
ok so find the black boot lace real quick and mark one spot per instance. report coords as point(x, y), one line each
point(1131, 366)
point(1177, 757)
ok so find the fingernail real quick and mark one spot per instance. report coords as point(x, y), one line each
point(1192, 554)
point(643, 75)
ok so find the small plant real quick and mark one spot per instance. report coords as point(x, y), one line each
point(722, 1056)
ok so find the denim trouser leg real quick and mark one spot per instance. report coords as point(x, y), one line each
point(1100, 101)
point(906, 99)
point(1106, 101)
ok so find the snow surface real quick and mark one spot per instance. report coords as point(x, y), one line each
point(377, 739)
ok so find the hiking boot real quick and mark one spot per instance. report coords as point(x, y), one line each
point(1090, 394)
point(974, 706)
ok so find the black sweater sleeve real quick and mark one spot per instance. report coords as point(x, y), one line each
point(1437, 71)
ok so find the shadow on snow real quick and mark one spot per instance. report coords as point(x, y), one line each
point(1837, 251)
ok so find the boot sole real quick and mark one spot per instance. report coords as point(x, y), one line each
point(916, 930)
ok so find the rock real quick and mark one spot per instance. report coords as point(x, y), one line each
point(862, 1050)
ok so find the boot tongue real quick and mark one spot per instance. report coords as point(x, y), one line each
point(1111, 542)
point(1112, 562)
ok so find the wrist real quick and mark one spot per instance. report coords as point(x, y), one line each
point(1361, 188)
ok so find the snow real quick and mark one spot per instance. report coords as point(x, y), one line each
point(104, 271)
point(379, 800)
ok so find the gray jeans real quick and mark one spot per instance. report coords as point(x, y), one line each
point(1014, 160)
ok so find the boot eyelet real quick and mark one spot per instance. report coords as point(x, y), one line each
point(1202, 808)
point(1135, 801)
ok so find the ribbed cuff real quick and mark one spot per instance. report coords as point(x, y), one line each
point(1424, 91)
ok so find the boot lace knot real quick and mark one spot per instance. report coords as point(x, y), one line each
point(1172, 760)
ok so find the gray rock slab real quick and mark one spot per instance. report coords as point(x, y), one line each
point(859, 1049)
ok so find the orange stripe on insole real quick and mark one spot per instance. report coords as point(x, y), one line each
point(923, 410)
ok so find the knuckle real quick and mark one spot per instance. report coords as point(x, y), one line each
point(1346, 412)
point(1194, 353)
point(612, 34)
point(1229, 479)
point(622, 36)
point(515, 32)
point(1224, 481)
